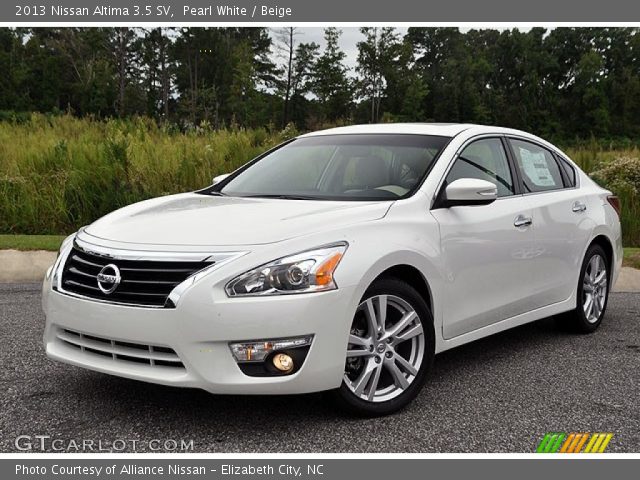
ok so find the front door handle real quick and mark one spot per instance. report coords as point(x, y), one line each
point(522, 221)
point(579, 207)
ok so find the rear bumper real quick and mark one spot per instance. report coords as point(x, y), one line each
point(199, 331)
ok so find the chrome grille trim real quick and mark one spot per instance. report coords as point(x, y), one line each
point(144, 282)
point(210, 261)
point(164, 256)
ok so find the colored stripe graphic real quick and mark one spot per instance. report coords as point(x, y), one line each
point(550, 443)
point(606, 441)
point(596, 446)
point(592, 441)
point(543, 444)
point(581, 443)
point(557, 442)
point(569, 441)
point(572, 441)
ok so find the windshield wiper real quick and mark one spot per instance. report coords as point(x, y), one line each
point(217, 194)
point(282, 196)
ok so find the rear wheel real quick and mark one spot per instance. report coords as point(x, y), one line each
point(390, 350)
point(592, 294)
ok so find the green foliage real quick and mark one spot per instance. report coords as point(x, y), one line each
point(562, 83)
point(619, 171)
point(622, 176)
point(60, 173)
point(195, 102)
point(331, 83)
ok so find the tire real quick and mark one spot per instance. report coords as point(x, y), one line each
point(585, 318)
point(404, 349)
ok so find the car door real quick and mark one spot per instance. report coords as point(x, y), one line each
point(487, 250)
point(561, 225)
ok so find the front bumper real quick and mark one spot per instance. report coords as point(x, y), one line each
point(199, 331)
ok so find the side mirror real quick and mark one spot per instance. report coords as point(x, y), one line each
point(219, 178)
point(470, 191)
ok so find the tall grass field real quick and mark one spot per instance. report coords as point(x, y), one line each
point(58, 173)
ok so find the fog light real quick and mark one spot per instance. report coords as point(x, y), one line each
point(258, 350)
point(283, 362)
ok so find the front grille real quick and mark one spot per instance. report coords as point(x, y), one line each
point(149, 355)
point(143, 282)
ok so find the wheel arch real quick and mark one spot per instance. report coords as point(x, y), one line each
point(412, 276)
point(607, 245)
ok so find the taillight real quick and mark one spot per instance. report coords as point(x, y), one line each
point(614, 201)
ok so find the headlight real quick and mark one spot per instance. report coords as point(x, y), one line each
point(66, 242)
point(310, 271)
point(55, 269)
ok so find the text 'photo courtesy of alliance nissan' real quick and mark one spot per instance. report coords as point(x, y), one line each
point(342, 260)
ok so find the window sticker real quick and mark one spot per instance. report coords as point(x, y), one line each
point(536, 167)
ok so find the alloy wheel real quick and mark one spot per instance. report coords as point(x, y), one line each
point(386, 348)
point(594, 288)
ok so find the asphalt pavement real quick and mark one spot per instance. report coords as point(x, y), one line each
point(499, 394)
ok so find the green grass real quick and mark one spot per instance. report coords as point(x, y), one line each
point(52, 243)
point(58, 173)
point(31, 242)
point(593, 157)
point(631, 257)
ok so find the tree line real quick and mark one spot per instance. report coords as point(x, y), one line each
point(562, 83)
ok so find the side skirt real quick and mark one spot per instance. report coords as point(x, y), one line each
point(538, 314)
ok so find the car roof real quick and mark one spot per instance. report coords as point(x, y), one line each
point(443, 129)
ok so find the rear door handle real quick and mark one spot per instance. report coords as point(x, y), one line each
point(522, 221)
point(579, 207)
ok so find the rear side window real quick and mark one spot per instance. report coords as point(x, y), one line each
point(539, 169)
point(570, 172)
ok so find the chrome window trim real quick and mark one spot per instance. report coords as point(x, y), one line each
point(219, 259)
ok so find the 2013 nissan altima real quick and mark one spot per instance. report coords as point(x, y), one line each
point(342, 260)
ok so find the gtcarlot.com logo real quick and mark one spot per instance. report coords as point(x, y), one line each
point(574, 443)
point(46, 443)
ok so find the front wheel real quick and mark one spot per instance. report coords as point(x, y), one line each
point(390, 350)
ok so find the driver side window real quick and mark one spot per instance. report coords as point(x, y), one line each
point(484, 159)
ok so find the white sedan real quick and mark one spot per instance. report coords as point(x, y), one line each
point(342, 260)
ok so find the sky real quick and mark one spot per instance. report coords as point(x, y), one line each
point(348, 40)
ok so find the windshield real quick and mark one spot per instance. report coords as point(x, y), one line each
point(338, 167)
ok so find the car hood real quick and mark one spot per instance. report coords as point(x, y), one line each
point(195, 219)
